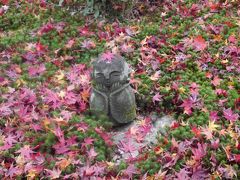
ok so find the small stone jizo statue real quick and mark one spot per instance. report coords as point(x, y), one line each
point(111, 91)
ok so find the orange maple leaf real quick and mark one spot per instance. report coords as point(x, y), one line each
point(85, 94)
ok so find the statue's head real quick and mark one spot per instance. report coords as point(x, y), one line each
point(108, 73)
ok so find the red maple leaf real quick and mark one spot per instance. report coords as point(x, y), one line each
point(131, 169)
point(36, 70)
point(215, 143)
point(237, 158)
point(126, 48)
point(5, 147)
point(51, 98)
point(5, 2)
point(87, 141)
point(70, 43)
point(25, 151)
point(10, 139)
point(89, 171)
point(45, 29)
point(126, 146)
point(106, 137)
point(107, 56)
point(156, 97)
point(59, 134)
point(30, 56)
point(84, 31)
point(61, 148)
point(229, 115)
point(216, 81)
point(214, 116)
point(199, 43)
point(183, 174)
point(12, 171)
point(237, 104)
point(91, 153)
point(53, 174)
point(200, 152)
point(187, 105)
point(196, 131)
point(88, 44)
point(99, 169)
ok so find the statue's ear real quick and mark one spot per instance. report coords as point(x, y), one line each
point(129, 70)
point(92, 75)
point(93, 64)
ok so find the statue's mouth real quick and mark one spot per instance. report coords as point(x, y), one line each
point(109, 86)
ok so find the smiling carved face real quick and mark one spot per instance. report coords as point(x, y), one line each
point(109, 73)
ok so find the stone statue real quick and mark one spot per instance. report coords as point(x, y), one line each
point(111, 91)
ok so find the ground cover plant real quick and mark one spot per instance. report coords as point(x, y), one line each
point(186, 61)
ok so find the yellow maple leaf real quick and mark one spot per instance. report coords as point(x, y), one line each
point(62, 94)
point(224, 61)
point(46, 122)
point(212, 126)
point(20, 82)
point(182, 90)
point(60, 75)
point(190, 162)
point(31, 174)
point(227, 150)
point(110, 164)
point(158, 150)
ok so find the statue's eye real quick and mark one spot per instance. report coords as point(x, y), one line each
point(99, 75)
point(115, 73)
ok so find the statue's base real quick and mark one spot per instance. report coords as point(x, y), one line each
point(131, 135)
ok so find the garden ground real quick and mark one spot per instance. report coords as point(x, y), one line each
point(185, 57)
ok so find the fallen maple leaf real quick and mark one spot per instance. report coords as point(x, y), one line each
point(131, 169)
point(155, 76)
point(207, 132)
point(87, 141)
point(213, 116)
point(10, 140)
point(70, 44)
point(212, 126)
point(107, 56)
point(126, 146)
point(216, 81)
point(183, 174)
point(53, 174)
point(106, 137)
point(88, 44)
point(215, 144)
point(12, 171)
point(85, 94)
point(200, 152)
point(59, 134)
point(63, 163)
point(156, 97)
point(45, 29)
point(92, 154)
point(229, 115)
point(199, 43)
point(187, 105)
point(25, 151)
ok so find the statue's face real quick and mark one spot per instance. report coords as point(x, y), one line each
point(108, 73)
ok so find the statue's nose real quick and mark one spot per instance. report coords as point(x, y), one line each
point(107, 76)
